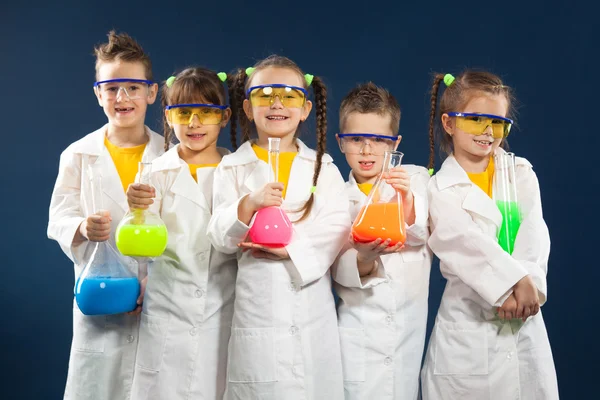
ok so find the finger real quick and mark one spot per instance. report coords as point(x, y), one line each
point(526, 313)
point(383, 246)
point(501, 313)
point(140, 193)
point(519, 311)
point(98, 219)
point(536, 310)
point(276, 185)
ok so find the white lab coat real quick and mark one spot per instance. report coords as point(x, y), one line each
point(473, 354)
point(188, 304)
point(284, 342)
point(103, 350)
point(383, 316)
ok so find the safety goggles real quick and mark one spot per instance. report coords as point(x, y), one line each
point(134, 89)
point(182, 114)
point(355, 143)
point(477, 124)
point(289, 96)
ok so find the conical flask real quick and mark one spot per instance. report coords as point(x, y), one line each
point(271, 226)
point(382, 218)
point(142, 233)
point(105, 286)
point(505, 195)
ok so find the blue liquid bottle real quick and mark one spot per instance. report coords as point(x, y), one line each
point(105, 286)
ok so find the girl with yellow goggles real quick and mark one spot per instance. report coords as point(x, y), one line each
point(477, 124)
point(289, 96)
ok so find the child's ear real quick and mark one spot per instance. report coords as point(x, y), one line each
point(97, 93)
point(306, 110)
point(247, 109)
point(397, 142)
point(447, 124)
point(226, 117)
point(167, 118)
point(153, 92)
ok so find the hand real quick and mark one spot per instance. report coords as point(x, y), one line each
point(368, 252)
point(140, 196)
point(270, 195)
point(140, 299)
point(96, 227)
point(508, 309)
point(399, 179)
point(260, 251)
point(528, 300)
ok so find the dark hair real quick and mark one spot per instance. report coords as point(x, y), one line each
point(122, 47)
point(455, 97)
point(370, 98)
point(238, 85)
point(192, 85)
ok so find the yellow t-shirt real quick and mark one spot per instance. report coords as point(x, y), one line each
point(365, 188)
point(194, 168)
point(285, 164)
point(484, 179)
point(126, 160)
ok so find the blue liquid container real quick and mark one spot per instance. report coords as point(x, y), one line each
point(106, 295)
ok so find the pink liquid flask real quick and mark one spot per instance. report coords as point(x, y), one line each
point(271, 226)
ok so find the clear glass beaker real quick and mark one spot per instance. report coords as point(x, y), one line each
point(504, 193)
point(382, 218)
point(142, 233)
point(271, 226)
point(105, 286)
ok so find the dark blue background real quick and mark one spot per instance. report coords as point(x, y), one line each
point(47, 69)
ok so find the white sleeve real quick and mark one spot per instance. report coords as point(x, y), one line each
point(532, 244)
point(65, 214)
point(466, 251)
point(418, 233)
point(225, 230)
point(317, 242)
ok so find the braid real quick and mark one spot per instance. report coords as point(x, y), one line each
point(438, 78)
point(239, 95)
point(231, 79)
point(166, 128)
point(321, 115)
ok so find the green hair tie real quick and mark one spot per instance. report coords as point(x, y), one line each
point(170, 81)
point(250, 70)
point(448, 79)
point(309, 78)
point(430, 171)
point(222, 76)
point(313, 189)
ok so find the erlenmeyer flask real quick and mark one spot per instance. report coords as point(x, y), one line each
point(381, 218)
point(105, 286)
point(142, 233)
point(505, 195)
point(271, 226)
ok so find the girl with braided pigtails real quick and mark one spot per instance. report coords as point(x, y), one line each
point(284, 341)
point(489, 341)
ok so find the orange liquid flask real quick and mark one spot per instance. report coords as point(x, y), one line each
point(271, 226)
point(382, 218)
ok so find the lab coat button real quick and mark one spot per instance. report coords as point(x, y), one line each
point(293, 330)
point(388, 319)
point(387, 361)
point(193, 331)
point(130, 338)
point(199, 293)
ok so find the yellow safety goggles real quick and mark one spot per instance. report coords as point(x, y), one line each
point(208, 114)
point(289, 96)
point(477, 124)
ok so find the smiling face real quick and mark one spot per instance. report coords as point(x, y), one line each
point(367, 162)
point(476, 148)
point(122, 111)
point(276, 120)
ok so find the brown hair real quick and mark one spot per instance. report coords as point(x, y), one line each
point(238, 85)
point(370, 98)
point(122, 47)
point(455, 97)
point(192, 85)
